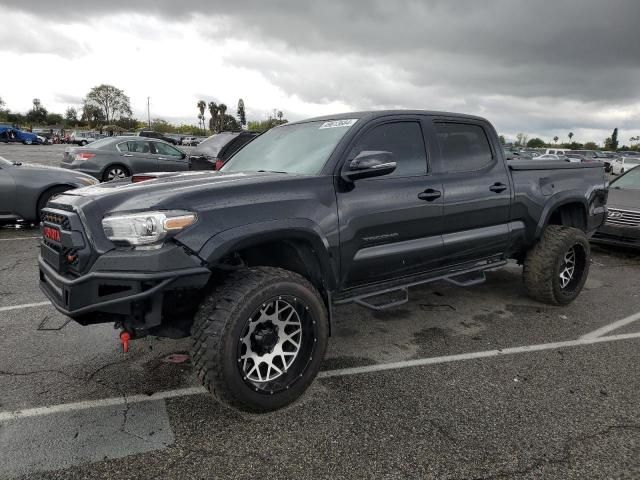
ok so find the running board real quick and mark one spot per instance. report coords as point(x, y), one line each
point(462, 278)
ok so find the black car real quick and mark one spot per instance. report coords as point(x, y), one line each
point(218, 148)
point(622, 227)
point(158, 135)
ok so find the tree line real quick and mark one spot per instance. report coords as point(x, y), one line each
point(108, 108)
point(611, 143)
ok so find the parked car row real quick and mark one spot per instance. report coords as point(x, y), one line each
point(120, 157)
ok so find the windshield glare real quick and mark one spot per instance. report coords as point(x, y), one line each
point(630, 180)
point(298, 148)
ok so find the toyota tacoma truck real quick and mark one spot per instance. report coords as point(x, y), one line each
point(250, 260)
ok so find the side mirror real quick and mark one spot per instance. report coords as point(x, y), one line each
point(183, 156)
point(370, 163)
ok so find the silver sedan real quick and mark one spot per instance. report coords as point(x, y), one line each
point(119, 157)
point(25, 189)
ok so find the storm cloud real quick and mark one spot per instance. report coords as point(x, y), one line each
point(536, 66)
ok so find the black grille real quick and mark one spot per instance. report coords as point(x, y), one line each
point(56, 219)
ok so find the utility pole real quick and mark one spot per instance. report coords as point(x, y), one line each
point(148, 112)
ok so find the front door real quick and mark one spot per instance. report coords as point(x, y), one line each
point(389, 226)
point(477, 191)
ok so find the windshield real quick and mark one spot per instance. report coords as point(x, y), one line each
point(212, 145)
point(630, 181)
point(299, 148)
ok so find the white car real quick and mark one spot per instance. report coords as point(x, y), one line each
point(552, 156)
point(624, 164)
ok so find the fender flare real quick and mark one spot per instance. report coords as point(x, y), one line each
point(557, 201)
point(238, 238)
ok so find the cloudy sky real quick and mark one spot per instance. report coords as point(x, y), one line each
point(536, 66)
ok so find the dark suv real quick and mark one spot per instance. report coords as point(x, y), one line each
point(158, 135)
point(218, 148)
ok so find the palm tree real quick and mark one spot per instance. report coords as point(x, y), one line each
point(201, 106)
point(222, 111)
point(555, 139)
point(570, 135)
point(213, 111)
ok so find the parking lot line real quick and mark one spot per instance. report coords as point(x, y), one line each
point(183, 392)
point(24, 305)
point(611, 327)
point(18, 238)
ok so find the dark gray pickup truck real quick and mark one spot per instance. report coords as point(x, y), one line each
point(250, 260)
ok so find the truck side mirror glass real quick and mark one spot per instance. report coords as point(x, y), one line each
point(370, 163)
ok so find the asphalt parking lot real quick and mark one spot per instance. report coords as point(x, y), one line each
point(475, 383)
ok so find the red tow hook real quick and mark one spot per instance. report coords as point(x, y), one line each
point(124, 339)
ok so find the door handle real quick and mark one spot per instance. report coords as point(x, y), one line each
point(498, 187)
point(429, 195)
point(127, 155)
point(161, 158)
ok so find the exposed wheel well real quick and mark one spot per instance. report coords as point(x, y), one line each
point(295, 255)
point(569, 215)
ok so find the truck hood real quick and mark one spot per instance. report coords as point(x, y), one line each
point(172, 190)
point(625, 199)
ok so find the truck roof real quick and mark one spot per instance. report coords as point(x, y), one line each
point(370, 114)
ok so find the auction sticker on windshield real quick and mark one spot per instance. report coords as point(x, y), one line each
point(338, 123)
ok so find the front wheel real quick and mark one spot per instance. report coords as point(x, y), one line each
point(556, 268)
point(259, 339)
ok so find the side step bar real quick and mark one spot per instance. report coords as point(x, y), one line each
point(462, 278)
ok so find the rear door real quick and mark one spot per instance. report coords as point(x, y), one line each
point(169, 158)
point(476, 190)
point(137, 155)
point(388, 225)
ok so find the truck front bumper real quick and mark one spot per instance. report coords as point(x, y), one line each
point(106, 296)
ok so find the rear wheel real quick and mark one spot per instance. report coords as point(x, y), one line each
point(556, 268)
point(83, 143)
point(259, 339)
point(115, 172)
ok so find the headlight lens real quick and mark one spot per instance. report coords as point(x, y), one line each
point(146, 228)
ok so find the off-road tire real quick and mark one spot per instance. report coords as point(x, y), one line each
point(544, 262)
point(217, 331)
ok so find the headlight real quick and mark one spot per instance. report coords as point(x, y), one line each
point(87, 181)
point(146, 228)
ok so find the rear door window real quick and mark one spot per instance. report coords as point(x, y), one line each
point(139, 147)
point(463, 146)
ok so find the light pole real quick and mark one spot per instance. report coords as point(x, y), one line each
point(148, 112)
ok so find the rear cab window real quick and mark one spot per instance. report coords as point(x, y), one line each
point(463, 147)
